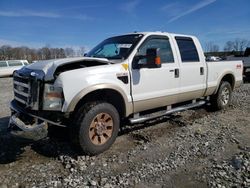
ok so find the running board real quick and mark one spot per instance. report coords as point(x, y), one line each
point(177, 109)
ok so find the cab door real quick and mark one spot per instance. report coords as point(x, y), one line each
point(155, 87)
point(193, 69)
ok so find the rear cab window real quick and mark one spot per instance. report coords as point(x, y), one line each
point(188, 50)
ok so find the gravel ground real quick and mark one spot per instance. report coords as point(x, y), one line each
point(195, 148)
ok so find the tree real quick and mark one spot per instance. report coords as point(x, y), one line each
point(46, 54)
point(62, 53)
point(6, 52)
point(69, 52)
point(82, 51)
point(211, 47)
point(229, 46)
point(238, 45)
point(23, 52)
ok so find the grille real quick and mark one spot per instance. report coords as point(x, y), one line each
point(22, 89)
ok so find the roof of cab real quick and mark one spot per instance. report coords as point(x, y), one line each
point(147, 33)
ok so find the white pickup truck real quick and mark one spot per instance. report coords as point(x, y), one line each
point(133, 77)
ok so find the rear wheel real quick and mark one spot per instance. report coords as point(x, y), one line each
point(96, 127)
point(223, 96)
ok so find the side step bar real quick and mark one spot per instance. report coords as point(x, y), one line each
point(177, 109)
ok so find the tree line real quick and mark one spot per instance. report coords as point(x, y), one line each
point(232, 47)
point(32, 54)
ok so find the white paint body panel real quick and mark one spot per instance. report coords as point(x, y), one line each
point(156, 83)
point(75, 81)
point(217, 69)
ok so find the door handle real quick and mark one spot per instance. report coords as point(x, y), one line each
point(201, 70)
point(176, 73)
point(172, 70)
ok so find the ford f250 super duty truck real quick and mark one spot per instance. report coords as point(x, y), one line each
point(133, 77)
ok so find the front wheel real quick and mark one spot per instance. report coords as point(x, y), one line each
point(96, 127)
point(223, 96)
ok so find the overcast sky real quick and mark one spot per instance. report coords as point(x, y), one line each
point(73, 23)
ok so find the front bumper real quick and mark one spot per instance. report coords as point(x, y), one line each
point(16, 121)
point(27, 121)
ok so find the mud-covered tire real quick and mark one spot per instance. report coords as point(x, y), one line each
point(95, 128)
point(223, 97)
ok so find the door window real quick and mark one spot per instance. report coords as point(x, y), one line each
point(164, 47)
point(3, 64)
point(15, 63)
point(187, 49)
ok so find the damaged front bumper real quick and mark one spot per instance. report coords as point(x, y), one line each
point(26, 121)
point(16, 121)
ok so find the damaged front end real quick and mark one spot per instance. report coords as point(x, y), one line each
point(35, 103)
point(38, 98)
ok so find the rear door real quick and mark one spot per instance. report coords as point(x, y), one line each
point(193, 69)
point(155, 87)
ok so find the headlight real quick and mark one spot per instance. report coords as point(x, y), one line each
point(52, 98)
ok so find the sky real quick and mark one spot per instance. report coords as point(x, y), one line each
point(75, 23)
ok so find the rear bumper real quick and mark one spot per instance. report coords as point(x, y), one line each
point(19, 114)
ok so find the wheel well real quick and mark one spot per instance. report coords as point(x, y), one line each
point(109, 95)
point(230, 79)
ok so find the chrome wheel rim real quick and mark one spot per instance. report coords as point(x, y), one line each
point(225, 95)
point(101, 129)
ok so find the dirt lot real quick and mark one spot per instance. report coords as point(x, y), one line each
point(196, 148)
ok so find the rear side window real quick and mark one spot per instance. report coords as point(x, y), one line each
point(15, 63)
point(25, 63)
point(187, 49)
point(3, 64)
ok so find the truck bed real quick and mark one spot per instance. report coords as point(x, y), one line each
point(221, 68)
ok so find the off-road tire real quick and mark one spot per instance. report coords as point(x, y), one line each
point(83, 122)
point(223, 97)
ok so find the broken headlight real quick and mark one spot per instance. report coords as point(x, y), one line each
point(52, 98)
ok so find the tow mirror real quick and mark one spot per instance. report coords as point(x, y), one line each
point(153, 58)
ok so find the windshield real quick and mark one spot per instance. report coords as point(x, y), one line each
point(116, 47)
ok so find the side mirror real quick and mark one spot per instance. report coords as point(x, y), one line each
point(153, 58)
point(135, 63)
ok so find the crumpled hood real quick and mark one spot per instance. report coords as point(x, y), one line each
point(49, 66)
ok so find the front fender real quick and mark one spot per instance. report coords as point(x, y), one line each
point(85, 91)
